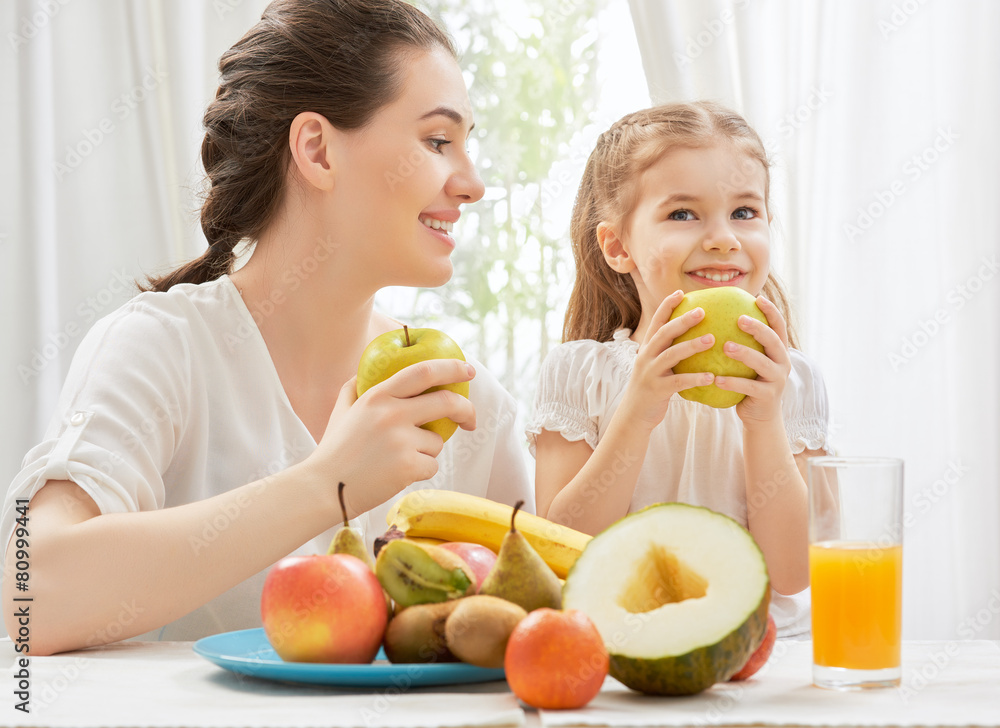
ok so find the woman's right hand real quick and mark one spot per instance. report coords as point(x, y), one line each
point(376, 440)
point(653, 381)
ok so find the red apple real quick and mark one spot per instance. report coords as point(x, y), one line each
point(327, 608)
point(760, 655)
point(479, 558)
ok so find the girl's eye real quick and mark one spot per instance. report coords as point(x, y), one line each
point(744, 213)
point(682, 215)
point(437, 144)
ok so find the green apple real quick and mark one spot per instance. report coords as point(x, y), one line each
point(723, 308)
point(396, 350)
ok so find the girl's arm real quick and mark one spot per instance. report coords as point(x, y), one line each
point(100, 578)
point(590, 489)
point(587, 489)
point(777, 506)
point(776, 495)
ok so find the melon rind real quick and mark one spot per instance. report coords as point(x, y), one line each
point(698, 668)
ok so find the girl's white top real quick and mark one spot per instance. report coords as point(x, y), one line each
point(173, 398)
point(696, 454)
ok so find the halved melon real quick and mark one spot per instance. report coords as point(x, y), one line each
point(679, 593)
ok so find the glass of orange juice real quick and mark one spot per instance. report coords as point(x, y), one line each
point(856, 571)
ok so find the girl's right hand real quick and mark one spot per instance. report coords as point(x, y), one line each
point(653, 381)
point(376, 440)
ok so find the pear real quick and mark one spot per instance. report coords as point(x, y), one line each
point(520, 575)
point(349, 539)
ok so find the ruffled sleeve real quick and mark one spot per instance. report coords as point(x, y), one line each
point(574, 385)
point(805, 407)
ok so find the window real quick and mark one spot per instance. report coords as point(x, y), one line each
point(545, 79)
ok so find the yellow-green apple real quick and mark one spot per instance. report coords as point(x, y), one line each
point(479, 558)
point(760, 655)
point(723, 308)
point(325, 608)
point(396, 350)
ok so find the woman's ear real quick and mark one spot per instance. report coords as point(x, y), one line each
point(312, 140)
point(614, 249)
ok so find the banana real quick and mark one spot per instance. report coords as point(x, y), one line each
point(452, 516)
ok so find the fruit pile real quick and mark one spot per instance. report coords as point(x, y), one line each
point(427, 600)
point(669, 600)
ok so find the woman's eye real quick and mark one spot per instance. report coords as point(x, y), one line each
point(744, 213)
point(681, 215)
point(437, 144)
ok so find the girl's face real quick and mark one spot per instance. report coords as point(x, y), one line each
point(700, 222)
point(404, 177)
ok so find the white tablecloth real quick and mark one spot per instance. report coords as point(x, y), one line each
point(145, 684)
point(142, 684)
point(944, 684)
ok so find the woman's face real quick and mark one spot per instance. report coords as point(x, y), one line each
point(404, 177)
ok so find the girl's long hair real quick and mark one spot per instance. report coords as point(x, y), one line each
point(602, 299)
point(344, 59)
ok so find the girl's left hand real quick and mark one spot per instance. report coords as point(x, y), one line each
point(763, 394)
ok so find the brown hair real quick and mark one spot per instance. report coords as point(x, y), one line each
point(339, 58)
point(604, 300)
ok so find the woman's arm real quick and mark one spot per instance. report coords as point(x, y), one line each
point(100, 578)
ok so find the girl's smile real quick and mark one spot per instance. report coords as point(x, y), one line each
point(711, 277)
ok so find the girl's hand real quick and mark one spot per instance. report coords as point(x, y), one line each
point(653, 381)
point(763, 400)
point(375, 442)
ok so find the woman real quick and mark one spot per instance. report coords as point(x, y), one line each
point(203, 427)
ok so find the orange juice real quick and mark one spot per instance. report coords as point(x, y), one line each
point(856, 594)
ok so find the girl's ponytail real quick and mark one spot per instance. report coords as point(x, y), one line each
point(602, 299)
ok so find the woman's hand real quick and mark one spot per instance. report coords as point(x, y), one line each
point(376, 442)
point(653, 381)
point(763, 394)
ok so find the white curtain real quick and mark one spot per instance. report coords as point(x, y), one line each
point(881, 119)
point(100, 131)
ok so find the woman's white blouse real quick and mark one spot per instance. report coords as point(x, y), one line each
point(696, 454)
point(173, 398)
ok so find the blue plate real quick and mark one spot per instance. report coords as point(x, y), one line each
point(247, 652)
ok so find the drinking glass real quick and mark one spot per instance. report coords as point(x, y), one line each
point(856, 570)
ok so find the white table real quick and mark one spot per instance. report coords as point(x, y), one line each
point(142, 684)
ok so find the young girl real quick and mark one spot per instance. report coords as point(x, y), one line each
point(204, 427)
point(675, 199)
